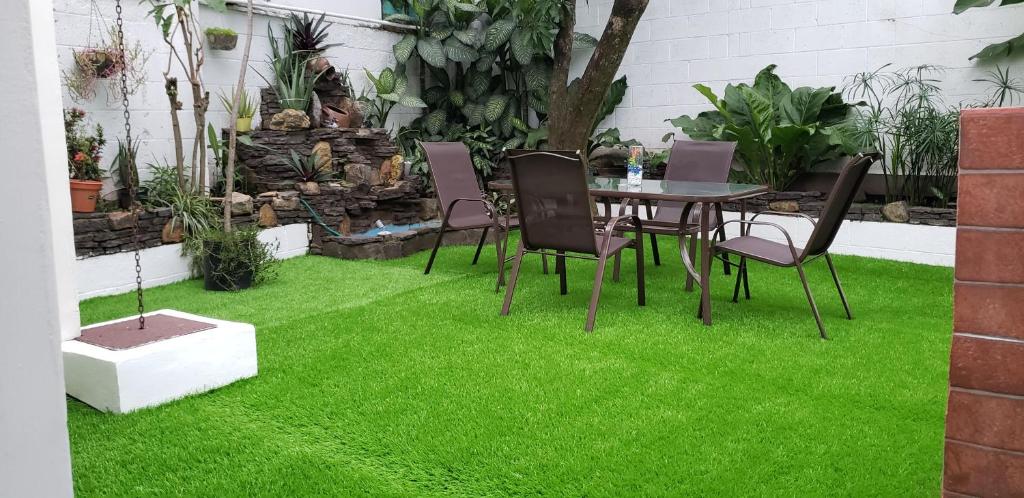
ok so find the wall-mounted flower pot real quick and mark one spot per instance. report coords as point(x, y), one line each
point(332, 116)
point(84, 194)
point(222, 41)
point(243, 125)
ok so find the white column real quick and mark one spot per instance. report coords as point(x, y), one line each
point(37, 300)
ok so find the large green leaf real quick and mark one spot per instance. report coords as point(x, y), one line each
point(802, 107)
point(435, 121)
point(412, 101)
point(472, 37)
point(459, 52)
point(432, 52)
point(498, 34)
point(612, 98)
point(1004, 49)
point(962, 5)
point(538, 76)
point(474, 114)
point(521, 48)
point(477, 84)
point(495, 107)
point(405, 47)
point(710, 95)
point(457, 98)
point(583, 41)
point(434, 95)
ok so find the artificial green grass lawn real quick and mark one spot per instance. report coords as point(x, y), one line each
point(377, 380)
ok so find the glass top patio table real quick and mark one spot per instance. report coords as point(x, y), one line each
point(663, 190)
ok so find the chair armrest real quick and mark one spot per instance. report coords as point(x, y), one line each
point(488, 205)
point(609, 228)
point(783, 213)
point(789, 240)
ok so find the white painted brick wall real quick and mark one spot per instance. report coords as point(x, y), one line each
point(359, 47)
point(814, 42)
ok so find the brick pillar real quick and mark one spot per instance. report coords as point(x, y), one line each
point(984, 453)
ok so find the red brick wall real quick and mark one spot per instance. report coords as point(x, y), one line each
point(984, 453)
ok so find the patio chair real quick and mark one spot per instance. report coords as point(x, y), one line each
point(690, 161)
point(555, 215)
point(463, 204)
point(788, 255)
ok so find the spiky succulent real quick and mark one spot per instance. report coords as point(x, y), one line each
point(307, 169)
point(307, 34)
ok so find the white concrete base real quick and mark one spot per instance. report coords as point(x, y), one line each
point(156, 373)
point(115, 273)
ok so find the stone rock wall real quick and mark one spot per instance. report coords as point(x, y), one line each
point(109, 233)
point(811, 203)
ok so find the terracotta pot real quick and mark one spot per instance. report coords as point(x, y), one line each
point(331, 114)
point(243, 125)
point(84, 194)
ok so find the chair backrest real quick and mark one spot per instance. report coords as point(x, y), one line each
point(553, 202)
point(838, 204)
point(451, 168)
point(697, 161)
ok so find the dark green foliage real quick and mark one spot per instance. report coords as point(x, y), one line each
point(1004, 49)
point(305, 167)
point(779, 132)
point(307, 34)
point(236, 253)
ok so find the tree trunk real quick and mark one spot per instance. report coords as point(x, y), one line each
point(574, 107)
point(229, 168)
point(171, 87)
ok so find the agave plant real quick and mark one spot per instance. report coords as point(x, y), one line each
point(293, 81)
point(779, 132)
point(307, 34)
point(246, 107)
point(307, 169)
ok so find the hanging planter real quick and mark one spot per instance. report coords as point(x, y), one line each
point(221, 38)
point(106, 62)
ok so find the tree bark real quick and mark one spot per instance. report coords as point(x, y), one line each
point(171, 87)
point(236, 99)
point(574, 107)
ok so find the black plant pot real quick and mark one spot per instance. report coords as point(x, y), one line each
point(215, 280)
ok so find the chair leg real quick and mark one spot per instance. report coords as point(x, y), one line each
point(512, 279)
point(617, 266)
point(433, 253)
point(500, 246)
point(739, 278)
point(693, 262)
point(544, 262)
point(810, 300)
point(480, 245)
point(641, 291)
point(563, 285)
point(726, 267)
point(596, 295)
point(746, 282)
point(839, 286)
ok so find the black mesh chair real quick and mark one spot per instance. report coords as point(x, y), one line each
point(788, 255)
point(555, 216)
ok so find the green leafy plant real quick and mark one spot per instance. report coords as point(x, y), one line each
point(390, 88)
point(247, 106)
point(293, 81)
point(217, 31)
point(996, 50)
point(125, 172)
point(231, 259)
point(160, 188)
point(779, 132)
point(307, 169)
point(106, 61)
point(84, 148)
point(1005, 89)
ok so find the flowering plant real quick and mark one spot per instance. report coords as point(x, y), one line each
point(83, 148)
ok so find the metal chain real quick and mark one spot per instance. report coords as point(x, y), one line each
point(132, 171)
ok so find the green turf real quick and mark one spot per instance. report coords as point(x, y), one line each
point(377, 380)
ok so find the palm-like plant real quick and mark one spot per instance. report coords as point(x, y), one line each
point(246, 106)
point(293, 81)
point(307, 169)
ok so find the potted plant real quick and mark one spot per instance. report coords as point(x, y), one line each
point(106, 62)
point(307, 35)
point(221, 38)
point(293, 84)
point(246, 110)
point(124, 171)
point(234, 260)
point(83, 160)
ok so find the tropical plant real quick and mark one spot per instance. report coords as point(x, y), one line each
point(307, 35)
point(460, 44)
point(390, 88)
point(84, 148)
point(779, 132)
point(916, 134)
point(307, 168)
point(247, 105)
point(124, 170)
point(995, 50)
point(160, 188)
point(293, 81)
point(1005, 89)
